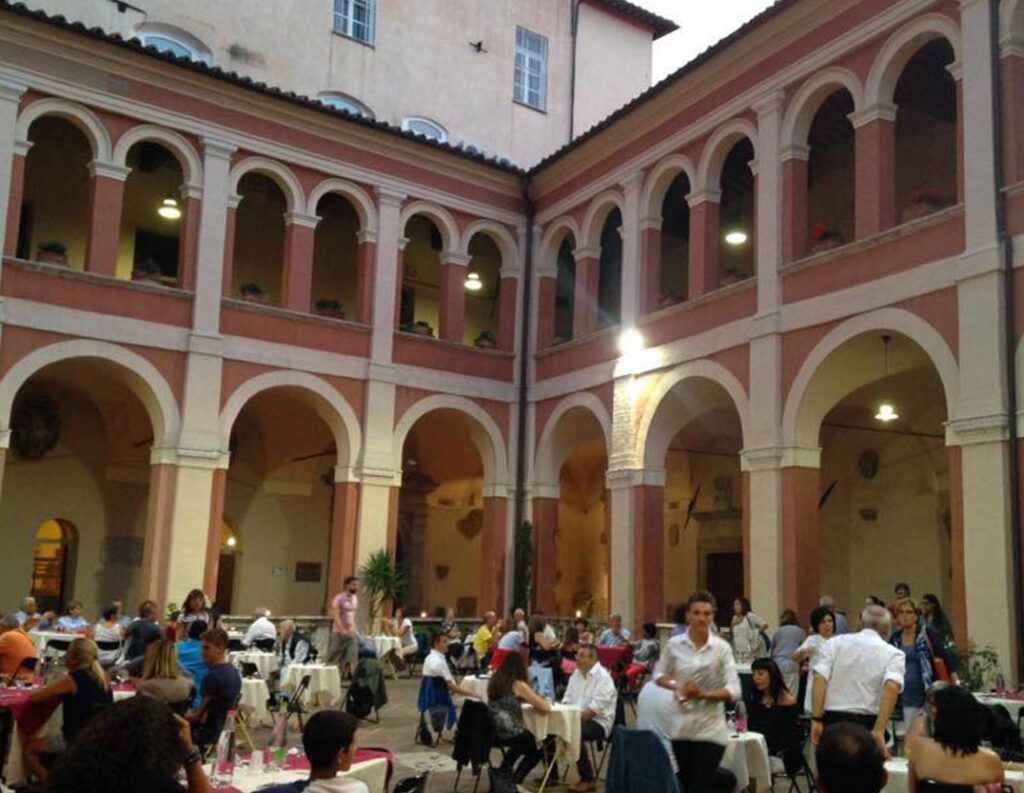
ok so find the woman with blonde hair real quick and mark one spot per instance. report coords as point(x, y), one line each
point(163, 678)
point(83, 692)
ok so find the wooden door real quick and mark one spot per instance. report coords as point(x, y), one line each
point(725, 582)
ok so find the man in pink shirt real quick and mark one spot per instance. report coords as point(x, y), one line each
point(344, 647)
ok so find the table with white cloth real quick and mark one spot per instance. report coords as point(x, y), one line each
point(253, 701)
point(42, 639)
point(385, 645)
point(324, 683)
point(565, 724)
point(476, 685)
point(372, 772)
point(898, 771)
point(1013, 705)
point(266, 663)
point(746, 755)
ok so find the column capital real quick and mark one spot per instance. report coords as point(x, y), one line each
point(234, 200)
point(881, 111)
point(5, 439)
point(402, 242)
point(974, 430)
point(586, 253)
point(1011, 47)
point(956, 70)
point(11, 90)
point(363, 237)
point(511, 271)
point(706, 195)
point(546, 272)
point(452, 259)
point(381, 477)
point(796, 151)
point(217, 147)
point(770, 458)
point(109, 170)
point(651, 223)
point(770, 103)
point(623, 478)
point(21, 147)
point(496, 490)
point(186, 457)
point(544, 490)
point(632, 181)
point(387, 196)
point(189, 190)
point(301, 219)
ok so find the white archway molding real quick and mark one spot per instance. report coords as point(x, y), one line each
point(280, 174)
point(657, 428)
point(499, 235)
point(900, 48)
point(796, 126)
point(712, 159)
point(187, 157)
point(660, 178)
point(328, 403)
point(802, 415)
point(485, 434)
point(139, 375)
point(79, 115)
point(551, 455)
point(596, 215)
point(555, 233)
point(441, 218)
point(1011, 22)
point(354, 194)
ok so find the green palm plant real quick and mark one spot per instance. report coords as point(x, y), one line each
point(381, 581)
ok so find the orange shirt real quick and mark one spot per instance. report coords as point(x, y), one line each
point(15, 646)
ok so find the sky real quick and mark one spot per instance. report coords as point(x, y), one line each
point(701, 23)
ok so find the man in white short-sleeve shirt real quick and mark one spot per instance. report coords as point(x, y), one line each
point(592, 690)
point(858, 677)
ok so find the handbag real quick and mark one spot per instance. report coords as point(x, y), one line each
point(938, 664)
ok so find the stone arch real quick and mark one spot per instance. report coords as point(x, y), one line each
point(280, 174)
point(501, 237)
point(803, 413)
point(796, 125)
point(439, 216)
point(352, 193)
point(709, 172)
point(554, 234)
point(79, 115)
point(140, 376)
point(1011, 22)
point(660, 179)
point(548, 459)
point(191, 165)
point(597, 213)
point(328, 403)
point(486, 437)
point(900, 48)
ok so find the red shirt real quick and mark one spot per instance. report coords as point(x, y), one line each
point(15, 646)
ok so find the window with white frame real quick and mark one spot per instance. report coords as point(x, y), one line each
point(355, 19)
point(174, 41)
point(346, 103)
point(531, 80)
point(425, 127)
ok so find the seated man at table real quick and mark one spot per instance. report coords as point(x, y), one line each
point(294, 647)
point(15, 647)
point(73, 621)
point(484, 640)
point(592, 690)
point(329, 740)
point(261, 634)
point(614, 635)
point(850, 760)
point(30, 619)
point(142, 631)
point(436, 666)
point(190, 656)
point(220, 689)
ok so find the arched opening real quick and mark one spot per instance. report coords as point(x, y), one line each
point(421, 277)
point(738, 229)
point(483, 292)
point(565, 288)
point(926, 132)
point(441, 514)
point(831, 170)
point(54, 222)
point(80, 445)
point(335, 258)
point(675, 242)
point(229, 551)
point(151, 216)
point(609, 288)
point(258, 257)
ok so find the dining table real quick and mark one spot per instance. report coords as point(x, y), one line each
point(565, 724)
point(266, 663)
point(374, 773)
point(324, 683)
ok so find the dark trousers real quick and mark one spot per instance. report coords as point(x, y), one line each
point(867, 721)
point(698, 761)
point(592, 731)
point(522, 746)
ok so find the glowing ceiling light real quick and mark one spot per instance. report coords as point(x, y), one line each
point(169, 208)
point(886, 413)
point(473, 282)
point(736, 237)
point(232, 542)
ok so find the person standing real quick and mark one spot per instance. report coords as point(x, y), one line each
point(786, 640)
point(344, 646)
point(592, 690)
point(823, 625)
point(934, 616)
point(748, 630)
point(261, 633)
point(920, 645)
point(841, 624)
point(700, 669)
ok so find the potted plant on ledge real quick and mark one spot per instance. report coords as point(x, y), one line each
point(923, 202)
point(147, 271)
point(334, 309)
point(253, 293)
point(486, 341)
point(825, 237)
point(422, 328)
point(52, 253)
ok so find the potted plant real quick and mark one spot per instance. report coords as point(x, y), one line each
point(825, 237)
point(486, 341)
point(52, 253)
point(923, 202)
point(666, 299)
point(253, 293)
point(422, 328)
point(148, 271)
point(977, 667)
point(382, 583)
point(334, 309)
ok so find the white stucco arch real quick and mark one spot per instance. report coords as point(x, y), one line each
point(441, 218)
point(660, 179)
point(328, 403)
point(553, 235)
point(900, 48)
point(139, 375)
point(596, 215)
point(796, 125)
point(803, 411)
point(354, 194)
point(500, 236)
point(652, 438)
point(191, 165)
point(1011, 22)
point(280, 174)
point(712, 159)
point(485, 435)
point(551, 454)
point(79, 115)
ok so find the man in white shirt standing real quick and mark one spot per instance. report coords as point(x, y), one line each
point(261, 634)
point(592, 690)
point(858, 677)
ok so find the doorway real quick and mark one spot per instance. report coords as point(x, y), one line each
point(725, 582)
point(53, 564)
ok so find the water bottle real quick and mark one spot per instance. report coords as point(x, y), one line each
point(1000, 684)
point(224, 768)
point(741, 717)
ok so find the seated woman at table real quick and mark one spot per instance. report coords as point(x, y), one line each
point(506, 693)
point(583, 628)
point(400, 626)
point(954, 755)
point(543, 650)
point(137, 744)
point(72, 620)
point(775, 713)
point(83, 691)
point(164, 679)
point(193, 609)
point(108, 629)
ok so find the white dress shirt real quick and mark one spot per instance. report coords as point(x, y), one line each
point(857, 666)
point(436, 665)
point(261, 628)
point(711, 667)
point(814, 643)
point(594, 691)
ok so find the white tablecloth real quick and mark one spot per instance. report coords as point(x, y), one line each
point(254, 699)
point(386, 644)
point(478, 685)
point(749, 755)
point(899, 777)
point(1012, 705)
point(563, 722)
point(265, 663)
point(43, 638)
point(373, 772)
point(324, 684)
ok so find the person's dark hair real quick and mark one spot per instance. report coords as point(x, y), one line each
point(436, 637)
point(701, 596)
point(580, 624)
point(874, 600)
point(326, 733)
point(788, 617)
point(744, 604)
point(512, 669)
point(188, 605)
point(218, 637)
point(849, 760)
point(350, 579)
point(196, 629)
point(71, 605)
point(536, 624)
point(147, 610)
point(398, 607)
point(777, 686)
point(818, 615)
point(959, 721)
point(679, 614)
point(148, 753)
point(571, 636)
point(650, 630)
point(939, 618)
point(901, 585)
point(110, 612)
point(589, 648)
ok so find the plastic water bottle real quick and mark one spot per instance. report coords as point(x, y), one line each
point(741, 717)
point(1000, 684)
point(224, 769)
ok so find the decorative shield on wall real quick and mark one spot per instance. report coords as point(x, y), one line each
point(472, 524)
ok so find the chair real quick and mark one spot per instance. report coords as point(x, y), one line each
point(423, 645)
point(295, 702)
point(242, 726)
point(26, 665)
point(413, 784)
point(639, 763)
point(235, 645)
point(56, 648)
point(599, 751)
point(474, 740)
point(435, 699)
point(249, 669)
point(265, 645)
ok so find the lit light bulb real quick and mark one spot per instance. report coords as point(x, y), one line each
point(232, 542)
point(631, 342)
point(736, 237)
point(423, 615)
point(169, 208)
point(578, 613)
point(886, 413)
point(473, 282)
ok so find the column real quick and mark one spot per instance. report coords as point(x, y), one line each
point(454, 267)
point(546, 283)
point(956, 72)
point(105, 203)
point(649, 549)
point(794, 203)
point(958, 605)
point(493, 553)
point(585, 292)
point(1012, 70)
point(187, 541)
point(16, 195)
point(12, 163)
point(768, 201)
point(704, 242)
point(632, 295)
point(507, 310)
point(400, 276)
point(299, 241)
point(157, 543)
point(341, 559)
point(364, 277)
point(230, 225)
point(801, 543)
point(650, 243)
point(216, 236)
point(545, 551)
point(188, 235)
point(875, 169)
point(215, 530)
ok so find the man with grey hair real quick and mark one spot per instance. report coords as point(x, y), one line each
point(294, 646)
point(614, 635)
point(842, 624)
point(29, 617)
point(858, 677)
point(261, 634)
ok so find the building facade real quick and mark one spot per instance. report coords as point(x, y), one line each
point(773, 331)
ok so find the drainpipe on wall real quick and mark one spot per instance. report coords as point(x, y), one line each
point(574, 24)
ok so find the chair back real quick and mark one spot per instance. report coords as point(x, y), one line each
point(265, 645)
point(235, 645)
point(249, 669)
point(108, 645)
point(640, 763)
point(295, 704)
point(413, 784)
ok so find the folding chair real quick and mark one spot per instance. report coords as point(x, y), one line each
point(26, 665)
point(295, 702)
point(434, 700)
point(599, 752)
point(56, 648)
point(235, 645)
point(413, 784)
point(249, 669)
point(779, 772)
point(242, 727)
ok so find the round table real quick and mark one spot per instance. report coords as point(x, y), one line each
point(746, 755)
point(254, 699)
point(42, 639)
point(324, 683)
point(1008, 701)
point(384, 645)
point(477, 685)
point(265, 663)
point(899, 777)
point(372, 772)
